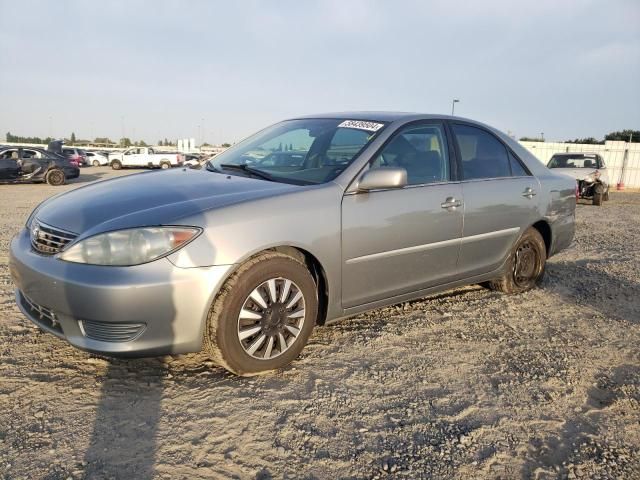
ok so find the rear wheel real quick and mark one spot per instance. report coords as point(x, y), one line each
point(525, 266)
point(263, 315)
point(165, 165)
point(55, 177)
point(116, 165)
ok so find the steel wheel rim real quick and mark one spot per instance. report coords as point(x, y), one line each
point(55, 176)
point(271, 318)
point(525, 267)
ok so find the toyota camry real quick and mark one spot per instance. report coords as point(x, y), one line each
point(243, 258)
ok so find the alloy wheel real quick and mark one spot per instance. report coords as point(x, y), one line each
point(271, 318)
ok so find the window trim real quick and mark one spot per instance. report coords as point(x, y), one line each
point(498, 139)
point(453, 167)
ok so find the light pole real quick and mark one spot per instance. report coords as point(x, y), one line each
point(542, 136)
point(453, 105)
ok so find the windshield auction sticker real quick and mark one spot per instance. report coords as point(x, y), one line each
point(360, 125)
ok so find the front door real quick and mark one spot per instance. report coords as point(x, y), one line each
point(399, 241)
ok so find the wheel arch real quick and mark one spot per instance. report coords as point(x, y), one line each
point(543, 227)
point(313, 265)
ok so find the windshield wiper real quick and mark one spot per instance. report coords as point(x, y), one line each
point(243, 167)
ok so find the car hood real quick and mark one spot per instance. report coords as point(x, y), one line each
point(581, 173)
point(151, 198)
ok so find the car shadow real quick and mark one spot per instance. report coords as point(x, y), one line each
point(587, 282)
point(87, 177)
point(124, 438)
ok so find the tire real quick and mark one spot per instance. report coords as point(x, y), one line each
point(55, 177)
point(226, 322)
point(165, 165)
point(96, 163)
point(598, 193)
point(605, 197)
point(597, 199)
point(116, 165)
point(522, 274)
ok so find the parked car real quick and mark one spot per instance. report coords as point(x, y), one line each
point(145, 157)
point(589, 171)
point(244, 260)
point(76, 154)
point(97, 159)
point(34, 165)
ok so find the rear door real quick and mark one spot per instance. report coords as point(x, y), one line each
point(398, 241)
point(500, 198)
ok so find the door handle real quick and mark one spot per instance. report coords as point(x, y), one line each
point(529, 193)
point(451, 203)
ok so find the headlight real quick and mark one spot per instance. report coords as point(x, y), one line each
point(129, 247)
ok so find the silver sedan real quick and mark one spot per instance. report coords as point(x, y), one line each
point(244, 257)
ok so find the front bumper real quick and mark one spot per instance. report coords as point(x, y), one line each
point(144, 310)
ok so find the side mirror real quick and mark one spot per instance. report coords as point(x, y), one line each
point(382, 178)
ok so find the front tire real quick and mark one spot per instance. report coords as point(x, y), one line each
point(525, 267)
point(55, 177)
point(263, 315)
point(96, 163)
point(116, 165)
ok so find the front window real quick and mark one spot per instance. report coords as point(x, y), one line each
point(421, 150)
point(577, 161)
point(303, 152)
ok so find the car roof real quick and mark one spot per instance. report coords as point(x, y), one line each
point(384, 116)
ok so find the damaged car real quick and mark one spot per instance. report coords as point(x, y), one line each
point(35, 165)
point(589, 171)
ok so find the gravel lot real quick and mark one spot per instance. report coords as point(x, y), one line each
point(464, 384)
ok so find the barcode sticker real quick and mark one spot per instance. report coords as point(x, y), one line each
point(361, 125)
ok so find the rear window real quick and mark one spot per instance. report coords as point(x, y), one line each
point(576, 161)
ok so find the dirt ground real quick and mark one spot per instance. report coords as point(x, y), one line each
point(464, 384)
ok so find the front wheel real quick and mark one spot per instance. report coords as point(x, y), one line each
point(96, 163)
point(263, 315)
point(116, 165)
point(55, 177)
point(525, 266)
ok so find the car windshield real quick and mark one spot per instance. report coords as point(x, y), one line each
point(581, 161)
point(302, 152)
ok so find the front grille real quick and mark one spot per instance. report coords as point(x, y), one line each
point(42, 315)
point(49, 240)
point(111, 332)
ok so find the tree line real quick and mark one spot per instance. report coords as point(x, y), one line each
point(72, 140)
point(623, 135)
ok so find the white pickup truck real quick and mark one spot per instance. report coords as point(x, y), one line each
point(144, 157)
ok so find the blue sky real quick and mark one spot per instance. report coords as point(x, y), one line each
point(157, 69)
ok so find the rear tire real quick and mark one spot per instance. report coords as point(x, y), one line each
point(165, 165)
point(55, 177)
point(116, 165)
point(525, 267)
point(226, 323)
